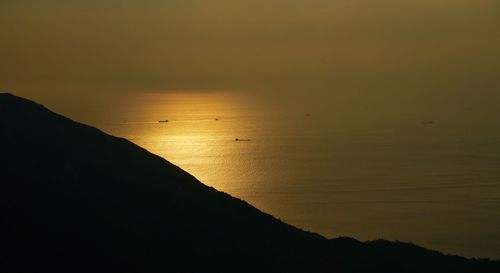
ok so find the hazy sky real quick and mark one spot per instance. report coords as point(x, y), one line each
point(334, 48)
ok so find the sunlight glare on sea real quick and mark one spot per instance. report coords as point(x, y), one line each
point(402, 178)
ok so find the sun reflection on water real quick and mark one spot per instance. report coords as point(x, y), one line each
point(200, 135)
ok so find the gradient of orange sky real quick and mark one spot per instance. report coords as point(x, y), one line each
point(329, 48)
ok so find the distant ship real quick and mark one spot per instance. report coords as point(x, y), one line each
point(242, 139)
point(163, 120)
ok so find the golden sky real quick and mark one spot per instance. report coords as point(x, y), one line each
point(322, 46)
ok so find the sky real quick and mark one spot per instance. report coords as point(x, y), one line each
point(386, 50)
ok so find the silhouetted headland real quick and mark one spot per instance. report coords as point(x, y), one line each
point(74, 199)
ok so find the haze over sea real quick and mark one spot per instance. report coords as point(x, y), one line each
point(417, 176)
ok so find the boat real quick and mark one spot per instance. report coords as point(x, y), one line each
point(163, 120)
point(242, 139)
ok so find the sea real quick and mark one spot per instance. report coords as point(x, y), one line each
point(415, 175)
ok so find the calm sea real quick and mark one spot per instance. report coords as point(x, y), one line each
point(431, 180)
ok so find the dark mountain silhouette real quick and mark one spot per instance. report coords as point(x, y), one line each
point(74, 199)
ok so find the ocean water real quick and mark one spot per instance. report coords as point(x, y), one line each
point(431, 180)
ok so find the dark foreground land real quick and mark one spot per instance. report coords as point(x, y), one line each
point(74, 199)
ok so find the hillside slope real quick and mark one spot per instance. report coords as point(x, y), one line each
point(74, 199)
